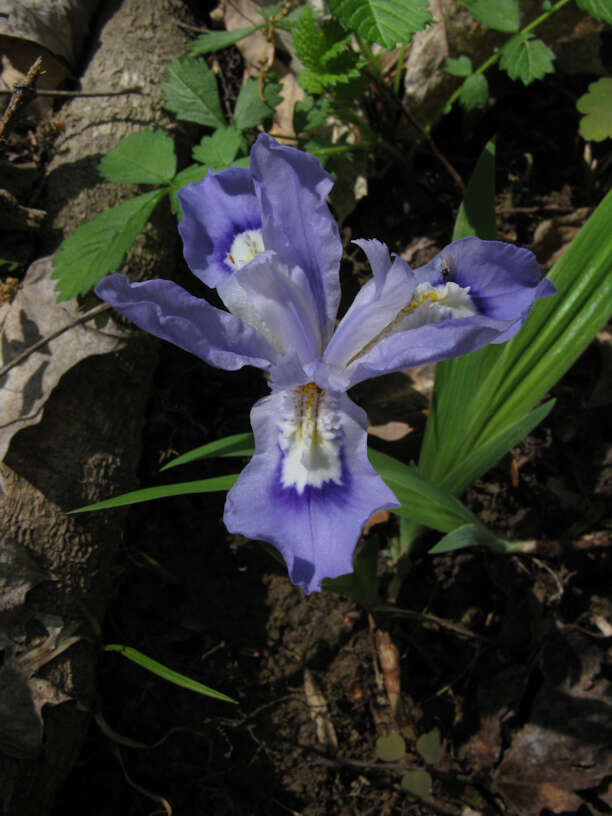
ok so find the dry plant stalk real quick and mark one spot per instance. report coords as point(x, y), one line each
point(317, 704)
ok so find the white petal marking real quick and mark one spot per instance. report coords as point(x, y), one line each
point(245, 246)
point(310, 439)
point(429, 304)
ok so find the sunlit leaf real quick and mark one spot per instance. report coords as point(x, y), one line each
point(525, 58)
point(146, 157)
point(190, 92)
point(386, 22)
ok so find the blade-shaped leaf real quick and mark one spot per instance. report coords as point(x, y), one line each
point(190, 92)
point(217, 40)
point(468, 535)
point(386, 22)
point(146, 157)
point(215, 484)
point(98, 247)
point(236, 445)
point(600, 9)
point(167, 674)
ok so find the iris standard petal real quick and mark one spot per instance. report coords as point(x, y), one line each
point(264, 296)
point(165, 310)
point(375, 305)
point(216, 212)
point(291, 187)
point(502, 278)
point(309, 488)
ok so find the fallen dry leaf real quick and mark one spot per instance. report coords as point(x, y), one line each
point(255, 49)
point(390, 431)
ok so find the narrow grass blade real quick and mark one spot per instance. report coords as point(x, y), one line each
point(236, 445)
point(215, 484)
point(168, 674)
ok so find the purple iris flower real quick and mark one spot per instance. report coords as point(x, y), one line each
point(266, 240)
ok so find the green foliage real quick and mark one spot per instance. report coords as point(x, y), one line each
point(430, 747)
point(251, 108)
point(361, 585)
point(600, 9)
point(190, 175)
point(146, 157)
point(167, 674)
point(241, 444)
point(310, 113)
point(596, 125)
point(386, 22)
point(476, 215)
point(324, 50)
point(390, 747)
point(220, 149)
point(216, 484)
point(525, 58)
point(502, 15)
point(416, 783)
point(217, 40)
point(98, 247)
point(190, 92)
point(474, 91)
point(460, 67)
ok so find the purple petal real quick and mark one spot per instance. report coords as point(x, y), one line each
point(375, 306)
point(264, 296)
point(164, 309)
point(216, 210)
point(503, 278)
point(309, 501)
point(291, 187)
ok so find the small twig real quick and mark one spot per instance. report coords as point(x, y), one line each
point(435, 150)
point(136, 89)
point(17, 95)
point(103, 307)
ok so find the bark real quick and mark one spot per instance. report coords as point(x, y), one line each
point(87, 445)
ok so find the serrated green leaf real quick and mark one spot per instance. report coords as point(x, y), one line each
point(160, 670)
point(218, 40)
point(597, 105)
point(600, 9)
point(502, 15)
point(325, 51)
point(219, 150)
point(309, 113)
point(215, 484)
point(190, 175)
point(98, 247)
point(430, 747)
point(251, 108)
point(525, 58)
point(146, 157)
point(386, 22)
point(190, 92)
point(390, 747)
point(416, 783)
point(474, 91)
point(241, 444)
point(460, 67)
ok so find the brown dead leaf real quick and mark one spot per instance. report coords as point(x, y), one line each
point(282, 124)
point(326, 733)
point(566, 745)
point(390, 431)
point(256, 50)
point(379, 517)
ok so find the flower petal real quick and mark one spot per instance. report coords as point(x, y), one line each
point(502, 277)
point(291, 187)
point(309, 488)
point(164, 309)
point(264, 296)
point(215, 211)
point(375, 306)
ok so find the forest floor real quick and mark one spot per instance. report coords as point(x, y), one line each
point(508, 657)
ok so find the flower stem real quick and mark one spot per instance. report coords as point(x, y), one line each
point(491, 61)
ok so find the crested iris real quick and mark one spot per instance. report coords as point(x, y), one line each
point(266, 240)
